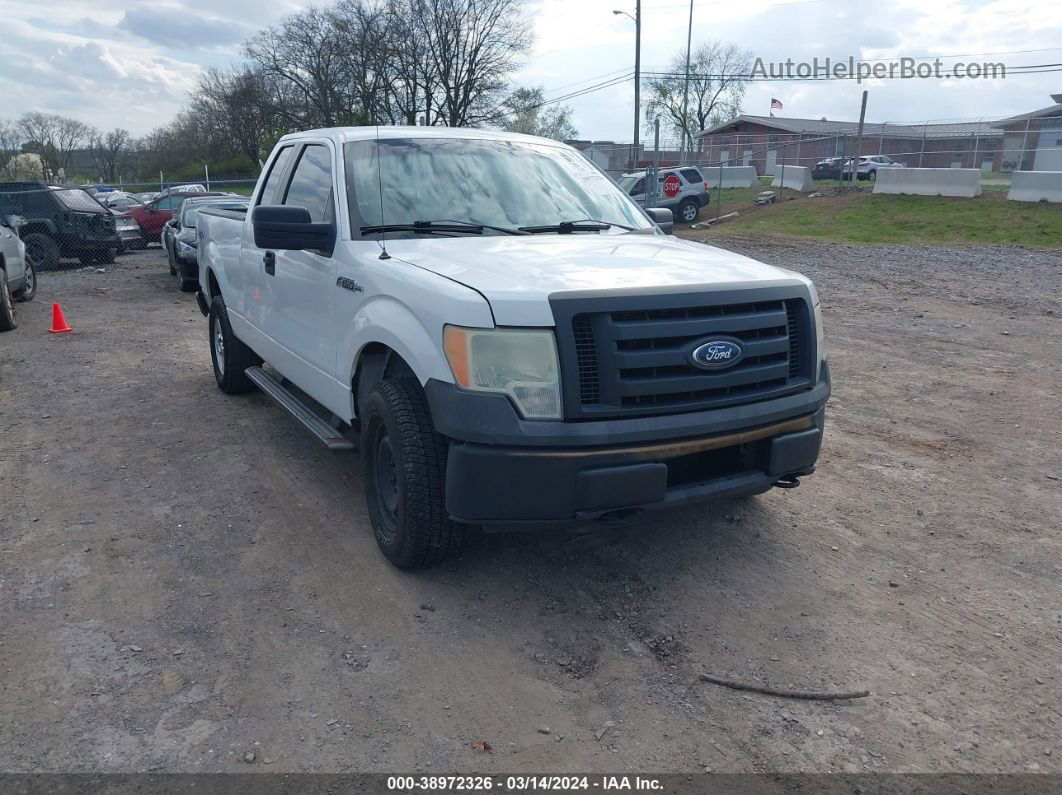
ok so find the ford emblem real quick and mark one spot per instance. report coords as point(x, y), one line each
point(717, 354)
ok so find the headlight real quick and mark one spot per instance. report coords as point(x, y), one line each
point(520, 363)
point(184, 249)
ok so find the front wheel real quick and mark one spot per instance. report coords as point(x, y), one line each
point(229, 356)
point(8, 321)
point(30, 290)
point(404, 470)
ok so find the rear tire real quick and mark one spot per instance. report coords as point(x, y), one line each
point(688, 211)
point(229, 356)
point(30, 290)
point(404, 471)
point(8, 321)
point(42, 250)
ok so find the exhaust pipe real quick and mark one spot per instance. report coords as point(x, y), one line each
point(788, 482)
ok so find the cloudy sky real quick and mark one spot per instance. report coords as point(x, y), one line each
point(129, 63)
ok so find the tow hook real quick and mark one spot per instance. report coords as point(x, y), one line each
point(788, 482)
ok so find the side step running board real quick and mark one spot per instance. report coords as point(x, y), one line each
point(278, 393)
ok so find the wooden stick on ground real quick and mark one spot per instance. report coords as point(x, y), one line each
point(773, 691)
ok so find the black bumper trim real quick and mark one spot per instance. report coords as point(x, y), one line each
point(495, 484)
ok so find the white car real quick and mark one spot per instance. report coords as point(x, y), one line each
point(18, 280)
point(869, 165)
point(512, 339)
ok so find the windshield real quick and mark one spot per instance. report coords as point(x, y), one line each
point(77, 199)
point(501, 183)
point(628, 182)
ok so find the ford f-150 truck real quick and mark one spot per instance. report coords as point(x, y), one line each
point(504, 335)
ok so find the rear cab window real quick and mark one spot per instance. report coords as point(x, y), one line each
point(276, 172)
point(691, 175)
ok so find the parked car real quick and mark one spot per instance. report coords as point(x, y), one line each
point(684, 190)
point(869, 165)
point(60, 221)
point(183, 189)
point(118, 200)
point(18, 280)
point(512, 337)
point(131, 237)
point(179, 237)
point(830, 168)
point(146, 196)
point(153, 216)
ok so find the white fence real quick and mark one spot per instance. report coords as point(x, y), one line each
point(961, 182)
point(1036, 186)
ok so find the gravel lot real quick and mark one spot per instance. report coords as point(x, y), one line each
point(186, 578)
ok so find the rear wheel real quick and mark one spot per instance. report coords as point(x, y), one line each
point(7, 306)
point(404, 470)
point(873, 176)
point(30, 290)
point(229, 356)
point(42, 250)
point(689, 210)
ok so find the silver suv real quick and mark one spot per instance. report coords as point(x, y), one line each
point(682, 190)
point(18, 281)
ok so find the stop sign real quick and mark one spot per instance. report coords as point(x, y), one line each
point(672, 186)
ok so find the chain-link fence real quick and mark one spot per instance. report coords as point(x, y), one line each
point(744, 164)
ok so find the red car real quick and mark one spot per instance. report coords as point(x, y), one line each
point(153, 216)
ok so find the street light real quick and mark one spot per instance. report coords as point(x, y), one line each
point(637, 19)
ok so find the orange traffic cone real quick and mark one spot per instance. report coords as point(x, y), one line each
point(58, 321)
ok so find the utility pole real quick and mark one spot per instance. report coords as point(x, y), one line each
point(687, 140)
point(637, 18)
point(637, 72)
point(859, 140)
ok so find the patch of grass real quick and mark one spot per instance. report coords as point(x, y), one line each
point(868, 218)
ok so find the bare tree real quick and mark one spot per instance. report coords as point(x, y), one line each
point(108, 151)
point(10, 143)
point(719, 74)
point(54, 138)
point(304, 51)
point(237, 109)
point(475, 45)
point(526, 111)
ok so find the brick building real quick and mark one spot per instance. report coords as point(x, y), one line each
point(767, 141)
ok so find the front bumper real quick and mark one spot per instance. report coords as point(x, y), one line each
point(582, 470)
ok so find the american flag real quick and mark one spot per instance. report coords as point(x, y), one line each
point(775, 104)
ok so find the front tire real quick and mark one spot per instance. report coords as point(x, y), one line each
point(8, 321)
point(229, 356)
point(30, 290)
point(404, 470)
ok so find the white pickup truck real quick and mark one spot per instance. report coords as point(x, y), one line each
point(505, 336)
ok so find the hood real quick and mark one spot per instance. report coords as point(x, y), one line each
point(518, 274)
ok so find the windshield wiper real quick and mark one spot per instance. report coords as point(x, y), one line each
point(582, 225)
point(444, 227)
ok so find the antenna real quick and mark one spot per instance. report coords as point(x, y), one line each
point(379, 179)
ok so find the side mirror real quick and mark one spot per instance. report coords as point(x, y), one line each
point(663, 218)
point(284, 227)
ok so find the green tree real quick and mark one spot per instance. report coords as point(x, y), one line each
point(525, 111)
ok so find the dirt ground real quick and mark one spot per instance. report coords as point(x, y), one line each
point(186, 578)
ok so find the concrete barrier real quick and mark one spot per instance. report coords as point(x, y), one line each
point(733, 177)
point(962, 182)
point(796, 178)
point(1035, 186)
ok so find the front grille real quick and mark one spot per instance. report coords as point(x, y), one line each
point(631, 356)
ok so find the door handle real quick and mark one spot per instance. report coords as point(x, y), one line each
point(270, 261)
